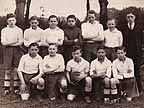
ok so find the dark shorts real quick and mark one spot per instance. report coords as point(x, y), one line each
point(77, 88)
point(53, 85)
point(29, 86)
point(130, 86)
point(11, 56)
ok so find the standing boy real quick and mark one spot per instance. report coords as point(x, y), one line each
point(11, 39)
point(30, 71)
point(72, 36)
point(53, 68)
point(112, 39)
point(34, 33)
point(92, 32)
point(77, 75)
point(54, 35)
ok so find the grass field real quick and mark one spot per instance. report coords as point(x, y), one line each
point(12, 101)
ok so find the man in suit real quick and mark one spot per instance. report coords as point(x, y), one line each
point(132, 35)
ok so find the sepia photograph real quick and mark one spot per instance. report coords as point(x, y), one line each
point(71, 54)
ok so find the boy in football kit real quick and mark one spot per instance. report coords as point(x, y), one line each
point(104, 85)
point(123, 70)
point(34, 34)
point(11, 39)
point(53, 34)
point(30, 72)
point(72, 36)
point(53, 68)
point(77, 75)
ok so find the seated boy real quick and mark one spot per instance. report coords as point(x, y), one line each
point(53, 68)
point(100, 73)
point(123, 70)
point(30, 71)
point(77, 75)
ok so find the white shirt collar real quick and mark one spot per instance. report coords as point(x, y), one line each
point(133, 24)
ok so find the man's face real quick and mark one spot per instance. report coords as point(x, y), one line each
point(130, 18)
point(52, 50)
point(11, 21)
point(76, 55)
point(120, 54)
point(91, 17)
point(33, 51)
point(111, 24)
point(34, 24)
point(101, 53)
point(71, 22)
point(53, 22)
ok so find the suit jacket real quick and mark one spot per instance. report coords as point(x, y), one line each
point(135, 34)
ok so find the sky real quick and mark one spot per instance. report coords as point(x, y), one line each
point(65, 7)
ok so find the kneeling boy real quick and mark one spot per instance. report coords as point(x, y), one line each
point(100, 73)
point(30, 71)
point(53, 67)
point(77, 75)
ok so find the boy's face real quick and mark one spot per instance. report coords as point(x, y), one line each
point(111, 24)
point(53, 22)
point(120, 54)
point(101, 53)
point(34, 24)
point(33, 51)
point(71, 22)
point(11, 21)
point(52, 50)
point(130, 18)
point(76, 55)
point(91, 17)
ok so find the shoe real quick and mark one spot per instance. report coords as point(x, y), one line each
point(128, 99)
point(87, 99)
point(53, 99)
point(106, 100)
point(6, 92)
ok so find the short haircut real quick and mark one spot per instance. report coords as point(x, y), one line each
point(75, 48)
point(71, 16)
point(121, 48)
point(11, 15)
point(34, 44)
point(92, 12)
point(101, 47)
point(52, 16)
point(53, 44)
point(111, 18)
point(33, 18)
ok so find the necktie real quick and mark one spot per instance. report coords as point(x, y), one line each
point(130, 26)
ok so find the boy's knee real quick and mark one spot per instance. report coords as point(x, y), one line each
point(114, 82)
point(88, 84)
point(63, 83)
point(40, 84)
point(88, 80)
point(107, 82)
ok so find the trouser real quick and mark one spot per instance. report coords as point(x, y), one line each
point(55, 82)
